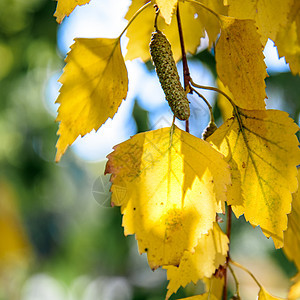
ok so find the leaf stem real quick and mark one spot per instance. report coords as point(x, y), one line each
point(246, 270)
point(211, 88)
point(133, 18)
point(212, 119)
point(235, 280)
point(156, 16)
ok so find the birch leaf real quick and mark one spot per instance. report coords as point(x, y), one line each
point(240, 62)
point(167, 8)
point(288, 39)
point(223, 103)
point(264, 295)
point(94, 84)
point(169, 185)
point(292, 235)
point(65, 7)
point(262, 149)
point(210, 253)
point(139, 32)
point(294, 292)
point(201, 297)
point(264, 12)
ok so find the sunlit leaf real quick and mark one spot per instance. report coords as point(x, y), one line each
point(94, 84)
point(288, 39)
point(214, 289)
point(294, 292)
point(169, 185)
point(201, 297)
point(292, 235)
point(214, 286)
point(240, 62)
point(210, 253)
point(264, 295)
point(208, 21)
point(139, 32)
point(223, 103)
point(262, 149)
point(65, 7)
point(270, 15)
point(167, 8)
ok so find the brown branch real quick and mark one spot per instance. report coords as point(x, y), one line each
point(228, 232)
point(186, 71)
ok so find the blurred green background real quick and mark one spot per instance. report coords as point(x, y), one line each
point(59, 238)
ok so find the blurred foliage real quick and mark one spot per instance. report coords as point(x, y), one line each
point(50, 222)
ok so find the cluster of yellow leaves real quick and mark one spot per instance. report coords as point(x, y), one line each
point(169, 184)
point(276, 20)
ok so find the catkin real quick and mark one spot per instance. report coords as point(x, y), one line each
point(161, 53)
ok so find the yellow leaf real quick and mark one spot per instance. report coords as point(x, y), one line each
point(15, 249)
point(208, 21)
point(270, 15)
point(288, 39)
point(167, 8)
point(214, 289)
point(240, 62)
point(169, 185)
point(94, 84)
point(292, 235)
point(262, 149)
point(223, 103)
point(214, 286)
point(210, 253)
point(65, 7)
point(205, 296)
point(294, 292)
point(264, 295)
point(139, 32)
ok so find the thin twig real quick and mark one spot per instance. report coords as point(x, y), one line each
point(228, 232)
point(133, 18)
point(156, 16)
point(211, 88)
point(237, 285)
point(187, 125)
point(207, 103)
point(186, 71)
point(246, 270)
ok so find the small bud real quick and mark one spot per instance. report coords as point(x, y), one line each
point(209, 130)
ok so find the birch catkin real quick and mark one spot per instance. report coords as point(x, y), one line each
point(162, 56)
